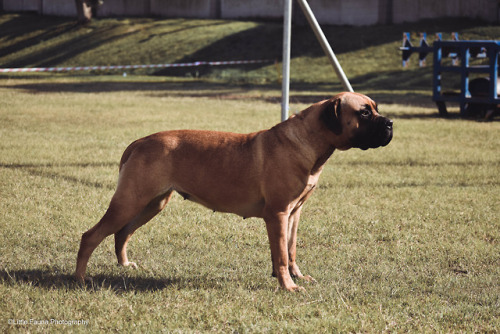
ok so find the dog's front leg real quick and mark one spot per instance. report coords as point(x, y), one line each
point(277, 226)
point(293, 224)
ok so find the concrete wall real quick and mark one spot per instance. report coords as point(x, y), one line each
point(21, 5)
point(337, 12)
point(58, 7)
point(123, 8)
point(184, 8)
point(233, 9)
point(411, 10)
point(359, 12)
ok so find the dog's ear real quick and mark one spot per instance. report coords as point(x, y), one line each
point(331, 116)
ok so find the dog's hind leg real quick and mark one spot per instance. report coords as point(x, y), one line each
point(122, 210)
point(123, 236)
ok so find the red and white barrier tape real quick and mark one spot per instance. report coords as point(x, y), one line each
point(126, 67)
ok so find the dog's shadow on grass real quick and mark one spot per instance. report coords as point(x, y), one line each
point(54, 279)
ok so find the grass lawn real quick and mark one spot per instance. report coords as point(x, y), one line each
point(402, 238)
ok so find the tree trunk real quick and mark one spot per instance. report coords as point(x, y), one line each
point(84, 11)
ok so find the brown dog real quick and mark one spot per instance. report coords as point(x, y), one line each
point(267, 174)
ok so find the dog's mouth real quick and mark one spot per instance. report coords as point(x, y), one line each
point(381, 134)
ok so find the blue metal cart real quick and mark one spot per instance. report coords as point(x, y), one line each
point(464, 50)
point(481, 92)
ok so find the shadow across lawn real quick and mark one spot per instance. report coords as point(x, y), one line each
point(300, 92)
point(53, 278)
point(48, 171)
point(380, 88)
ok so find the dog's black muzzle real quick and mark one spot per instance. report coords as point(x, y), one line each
point(387, 131)
point(379, 133)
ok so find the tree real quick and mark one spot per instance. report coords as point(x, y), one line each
point(85, 9)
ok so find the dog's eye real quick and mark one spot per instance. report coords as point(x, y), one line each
point(365, 113)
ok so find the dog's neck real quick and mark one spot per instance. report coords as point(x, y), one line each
point(310, 133)
point(318, 166)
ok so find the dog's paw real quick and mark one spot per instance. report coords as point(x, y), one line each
point(309, 279)
point(129, 264)
point(298, 288)
point(292, 288)
point(82, 280)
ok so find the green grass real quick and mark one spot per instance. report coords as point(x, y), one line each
point(402, 238)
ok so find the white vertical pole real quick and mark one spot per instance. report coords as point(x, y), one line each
point(324, 44)
point(285, 84)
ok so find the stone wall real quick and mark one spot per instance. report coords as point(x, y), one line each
point(335, 12)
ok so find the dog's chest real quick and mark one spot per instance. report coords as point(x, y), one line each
point(308, 190)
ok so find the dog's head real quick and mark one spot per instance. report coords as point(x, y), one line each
point(355, 122)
